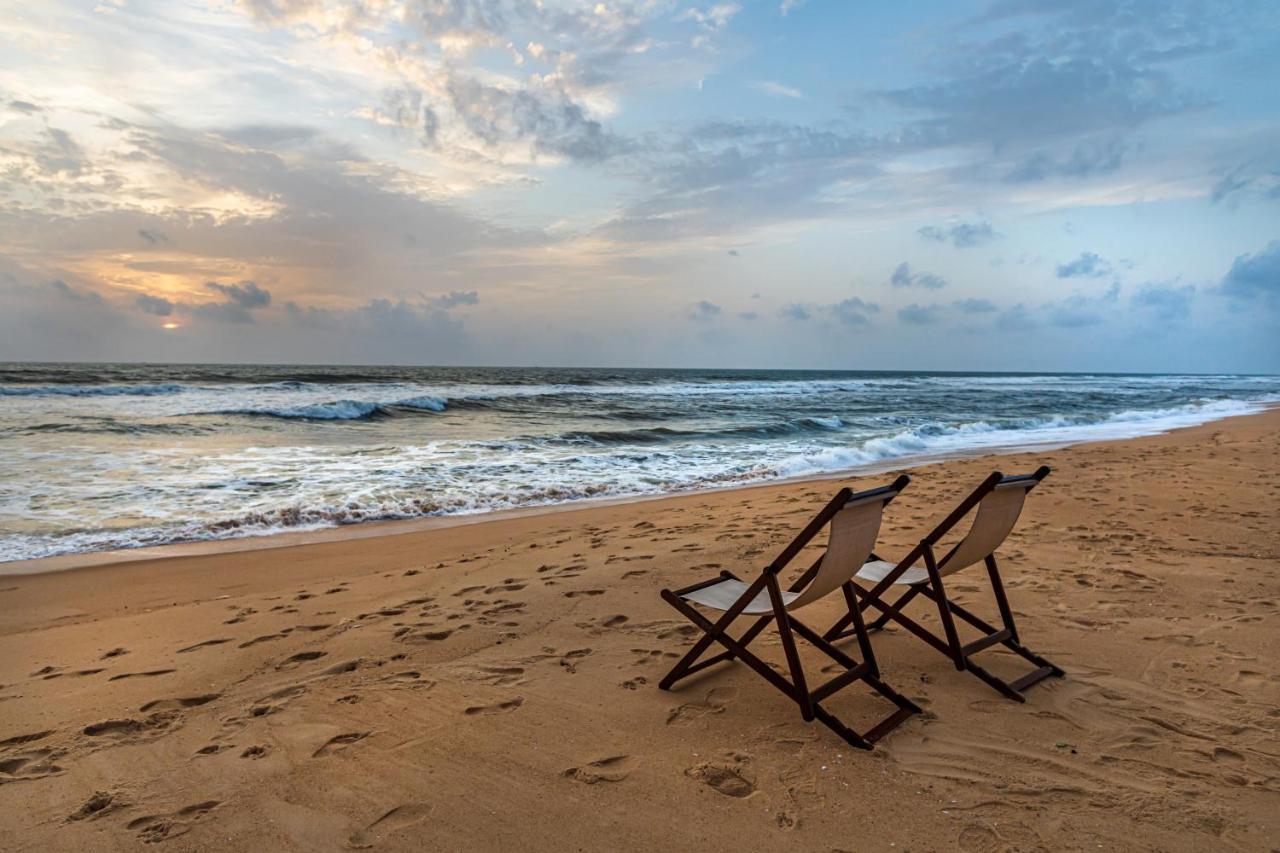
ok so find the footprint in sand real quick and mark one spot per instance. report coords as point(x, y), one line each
point(299, 659)
point(77, 674)
point(505, 586)
point(101, 803)
point(274, 702)
point(401, 817)
point(612, 769)
point(569, 660)
point(30, 765)
point(265, 638)
point(150, 674)
point(713, 704)
point(205, 644)
point(424, 636)
point(178, 704)
point(409, 677)
point(115, 728)
point(340, 668)
point(255, 751)
point(733, 778)
point(155, 828)
point(497, 708)
point(580, 592)
point(337, 743)
point(500, 676)
point(977, 838)
point(18, 740)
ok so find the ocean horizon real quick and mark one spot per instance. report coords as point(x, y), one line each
point(108, 456)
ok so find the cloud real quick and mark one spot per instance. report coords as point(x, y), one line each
point(786, 7)
point(455, 298)
point(1254, 276)
point(1057, 80)
point(1079, 310)
point(920, 315)
point(1086, 159)
point(724, 176)
point(1164, 301)
point(714, 17)
point(748, 316)
point(795, 311)
point(903, 277)
point(246, 294)
point(66, 291)
point(963, 235)
point(1088, 265)
point(854, 311)
point(772, 87)
point(157, 305)
point(220, 312)
point(974, 306)
point(1253, 179)
point(413, 330)
point(544, 115)
point(705, 311)
point(240, 300)
point(152, 238)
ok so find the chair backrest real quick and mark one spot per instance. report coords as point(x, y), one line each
point(998, 512)
point(854, 529)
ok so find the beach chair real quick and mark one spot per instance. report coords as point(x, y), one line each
point(999, 501)
point(855, 523)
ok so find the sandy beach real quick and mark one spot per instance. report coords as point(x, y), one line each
point(492, 686)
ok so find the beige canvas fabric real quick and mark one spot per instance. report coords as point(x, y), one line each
point(853, 535)
point(878, 570)
point(997, 514)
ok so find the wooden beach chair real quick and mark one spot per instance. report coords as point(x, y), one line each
point(999, 502)
point(855, 523)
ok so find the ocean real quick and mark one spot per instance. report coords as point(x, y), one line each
point(97, 456)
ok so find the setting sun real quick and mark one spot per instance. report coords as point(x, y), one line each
point(171, 326)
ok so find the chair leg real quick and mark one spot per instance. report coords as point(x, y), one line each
point(789, 648)
point(685, 665)
point(797, 690)
point(739, 651)
point(1006, 636)
point(944, 610)
point(866, 672)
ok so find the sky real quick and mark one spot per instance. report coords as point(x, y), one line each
point(1009, 185)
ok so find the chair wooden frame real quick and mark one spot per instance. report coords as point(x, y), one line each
point(796, 689)
point(932, 588)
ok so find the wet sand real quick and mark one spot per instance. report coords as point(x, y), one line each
point(492, 686)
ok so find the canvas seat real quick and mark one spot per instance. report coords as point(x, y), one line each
point(721, 596)
point(854, 520)
point(877, 570)
point(999, 501)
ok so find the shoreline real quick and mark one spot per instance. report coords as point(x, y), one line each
point(395, 527)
